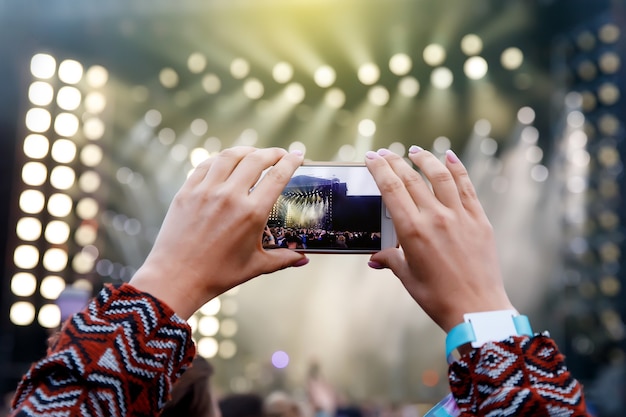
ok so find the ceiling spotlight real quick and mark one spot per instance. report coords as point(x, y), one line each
point(43, 66)
point(325, 76)
point(512, 58)
point(368, 73)
point(441, 78)
point(434, 54)
point(475, 68)
point(400, 64)
point(471, 44)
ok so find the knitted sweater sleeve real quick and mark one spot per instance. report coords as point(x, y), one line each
point(118, 357)
point(520, 376)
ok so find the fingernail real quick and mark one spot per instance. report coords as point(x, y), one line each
point(383, 152)
point(301, 262)
point(415, 149)
point(371, 155)
point(376, 265)
point(451, 157)
point(297, 152)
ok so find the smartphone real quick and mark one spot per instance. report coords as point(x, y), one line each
point(330, 208)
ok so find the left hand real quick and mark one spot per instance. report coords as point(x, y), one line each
point(209, 241)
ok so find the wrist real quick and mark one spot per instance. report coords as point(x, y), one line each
point(482, 327)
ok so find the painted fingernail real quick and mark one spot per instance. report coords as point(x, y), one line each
point(301, 262)
point(371, 155)
point(376, 265)
point(415, 149)
point(451, 157)
point(297, 152)
point(383, 152)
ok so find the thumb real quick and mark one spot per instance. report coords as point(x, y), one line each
point(392, 258)
point(277, 259)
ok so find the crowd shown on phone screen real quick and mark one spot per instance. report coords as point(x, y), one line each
point(317, 238)
point(130, 352)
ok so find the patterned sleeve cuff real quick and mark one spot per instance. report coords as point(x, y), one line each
point(125, 349)
point(520, 373)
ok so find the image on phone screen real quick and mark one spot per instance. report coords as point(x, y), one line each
point(327, 208)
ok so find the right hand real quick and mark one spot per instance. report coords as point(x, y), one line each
point(448, 260)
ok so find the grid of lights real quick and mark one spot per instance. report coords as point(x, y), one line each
point(60, 183)
point(214, 326)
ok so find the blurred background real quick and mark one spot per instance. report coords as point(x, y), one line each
point(105, 107)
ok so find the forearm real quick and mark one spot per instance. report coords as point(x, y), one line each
point(120, 355)
point(519, 376)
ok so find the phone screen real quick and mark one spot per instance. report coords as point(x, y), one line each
point(327, 208)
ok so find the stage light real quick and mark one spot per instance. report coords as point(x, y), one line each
point(40, 93)
point(434, 54)
point(609, 124)
point(34, 173)
point(346, 153)
point(49, 316)
point(207, 347)
point(28, 229)
point(198, 155)
point(70, 71)
point(63, 151)
point(575, 119)
point(87, 208)
point(609, 33)
point(179, 152)
point(22, 313)
point(196, 62)
point(368, 73)
point(441, 144)
point(324, 76)
point(60, 205)
point(576, 184)
point(253, 88)
point(62, 177)
point(213, 144)
point(335, 98)
point(609, 62)
point(86, 234)
point(212, 307)
point(229, 306)
point(227, 349)
point(526, 115)
point(97, 76)
point(295, 93)
point(89, 181)
point(610, 286)
point(208, 326)
point(57, 232)
point(530, 135)
point(32, 201)
point(239, 68)
point(297, 146)
point(378, 95)
point(23, 284)
point(534, 154)
point(441, 78)
point(367, 128)
point(512, 58)
point(400, 64)
point(586, 70)
point(43, 66)
point(409, 86)
point(69, 98)
point(38, 120)
point(228, 328)
point(168, 78)
point(55, 259)
point(471, 44)
point(280, 359)
point(488, 146)
point(282, 72)
point(82, 263)
point(66, 124)
point(211, 83)
point(93, 128)
point(539, 173)
point(51, 287)
point(482, 127)
point(580, 158)
point(608, 94)
point(36, 146)
point(398, 148)
point(475, 68)
point(153, 118)
point(95, 102)
point(26, 256)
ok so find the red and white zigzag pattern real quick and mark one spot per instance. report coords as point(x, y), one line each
point(118, 357)
point(521, 376)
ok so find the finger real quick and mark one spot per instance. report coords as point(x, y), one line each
point(392, 258)
point(466, 189)
point(418, 189)
point(438, 175)
point(275, 180)
point(394, 193)
point(252, 166)
point(226, 162)
point(277, 259)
